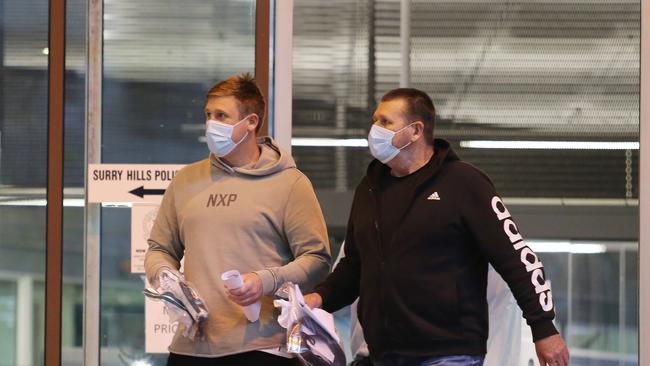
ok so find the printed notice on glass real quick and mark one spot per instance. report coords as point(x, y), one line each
point(143, 216)
point(159, 332)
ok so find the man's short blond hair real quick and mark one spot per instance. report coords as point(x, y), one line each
point(245, 90)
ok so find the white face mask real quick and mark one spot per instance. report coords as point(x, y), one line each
point(218, 135)
point(380, 141)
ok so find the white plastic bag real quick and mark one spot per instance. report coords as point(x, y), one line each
point(310, 332)
point(184, 304)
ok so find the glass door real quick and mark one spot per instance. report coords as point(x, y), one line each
point(159, 60)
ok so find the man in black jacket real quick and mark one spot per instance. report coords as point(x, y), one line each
point(422, 229)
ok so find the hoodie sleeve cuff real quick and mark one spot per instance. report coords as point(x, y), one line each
point(542, 329)
point(268, 281)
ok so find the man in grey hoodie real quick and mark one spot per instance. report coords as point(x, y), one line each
point(246, 207)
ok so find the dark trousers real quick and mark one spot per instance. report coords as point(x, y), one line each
point(248, 358)
point(460, 360)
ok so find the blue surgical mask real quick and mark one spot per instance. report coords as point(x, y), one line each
point(380, 142)
point(218, 135)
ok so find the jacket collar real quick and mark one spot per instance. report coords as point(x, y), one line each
point(443, 154)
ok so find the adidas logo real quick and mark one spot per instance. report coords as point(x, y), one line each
point(434, 197)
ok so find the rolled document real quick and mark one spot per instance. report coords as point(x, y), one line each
point(232, 280)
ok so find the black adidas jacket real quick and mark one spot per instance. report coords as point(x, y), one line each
point(424, 293)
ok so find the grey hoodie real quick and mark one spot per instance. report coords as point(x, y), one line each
point(262, 217)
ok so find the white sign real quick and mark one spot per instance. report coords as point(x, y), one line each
point(129, 182)
point(143, 216)
point(158, 332)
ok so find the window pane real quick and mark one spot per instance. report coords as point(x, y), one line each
point(631, 297)
point(333, 88)
point(8, 299)
point(595, 311)
point(505, 72)
point(541, 71)
point(160, 58)
point(23, 177)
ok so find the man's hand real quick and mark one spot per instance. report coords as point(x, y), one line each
point(313, 300)
point(552, 351)
point(249, 293)
point(155, 283)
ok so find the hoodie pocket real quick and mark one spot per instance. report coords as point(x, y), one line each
point(430, 309)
